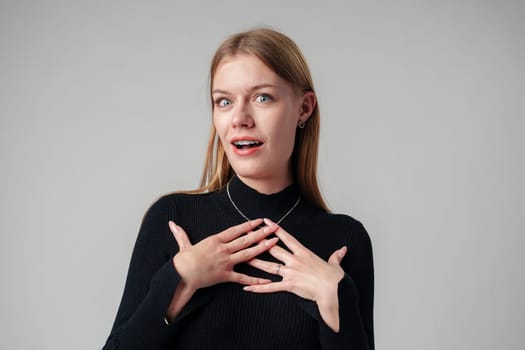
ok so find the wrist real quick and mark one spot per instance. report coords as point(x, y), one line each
point(182, 295)
point(180, 264)
point(328, 292)
point(327, 298)
point(328, 305)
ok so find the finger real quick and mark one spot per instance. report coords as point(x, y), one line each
point(245, 279)
point(252, 252)
point(285, 237)
point(266, 266)
point(250, 238)
point(180, 235)
point(237, 230)
point(280, 254)
point(266, 288)
point(337, 256)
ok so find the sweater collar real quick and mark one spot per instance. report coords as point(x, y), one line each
point(254, 204)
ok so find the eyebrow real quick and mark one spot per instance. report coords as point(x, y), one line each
point(253, 88)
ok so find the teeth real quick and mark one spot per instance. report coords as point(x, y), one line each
point(245, 143)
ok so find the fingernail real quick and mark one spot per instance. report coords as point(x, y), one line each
point(271, 241)
point(267, 221)
point(247, 288)
point(173, 226)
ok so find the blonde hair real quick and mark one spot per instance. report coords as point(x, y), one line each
point(284, 57)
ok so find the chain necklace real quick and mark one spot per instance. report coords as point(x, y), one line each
point(247, 219)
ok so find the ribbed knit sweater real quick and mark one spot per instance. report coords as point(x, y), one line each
point(224, 316)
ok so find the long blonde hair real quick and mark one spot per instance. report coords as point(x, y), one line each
point(284, 57)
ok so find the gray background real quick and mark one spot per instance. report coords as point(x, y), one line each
point(104, 108)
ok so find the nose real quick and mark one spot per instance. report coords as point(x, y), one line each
point(242, 116)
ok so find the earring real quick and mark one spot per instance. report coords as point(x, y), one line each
point(301, 124)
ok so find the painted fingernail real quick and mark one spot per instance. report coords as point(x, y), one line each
point(173, 226)
point(271, 241)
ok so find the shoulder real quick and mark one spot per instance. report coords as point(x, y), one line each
point(347, 225)
point(175, 202)
point(173, 198)
point(356, 239)
point(165, 208)
point(324, 232)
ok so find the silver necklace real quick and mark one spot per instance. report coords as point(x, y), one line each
point(247, 219)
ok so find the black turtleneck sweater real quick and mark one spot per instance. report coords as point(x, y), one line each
point(225, 316)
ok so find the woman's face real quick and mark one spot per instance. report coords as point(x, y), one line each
point(256, 114)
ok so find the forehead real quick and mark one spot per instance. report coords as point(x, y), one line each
point(243, 71)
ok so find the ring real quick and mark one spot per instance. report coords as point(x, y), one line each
point(278, 269)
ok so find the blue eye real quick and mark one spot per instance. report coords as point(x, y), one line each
point(263, 98)
point(223, 102)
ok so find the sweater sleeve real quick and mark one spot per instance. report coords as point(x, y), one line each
point(356, 295)
point(150, 285)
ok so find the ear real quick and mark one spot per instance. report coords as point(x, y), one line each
point(308, 103)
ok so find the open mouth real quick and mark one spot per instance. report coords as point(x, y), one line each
point(246, 144)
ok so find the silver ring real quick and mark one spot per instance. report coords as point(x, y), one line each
point(278, 269)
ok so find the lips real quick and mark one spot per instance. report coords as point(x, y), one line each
point(246, 145)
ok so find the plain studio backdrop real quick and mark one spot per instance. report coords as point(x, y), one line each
point(104, 108)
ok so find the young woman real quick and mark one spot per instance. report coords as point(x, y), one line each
point(253, 259)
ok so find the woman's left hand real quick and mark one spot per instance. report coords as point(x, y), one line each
point(304, 274)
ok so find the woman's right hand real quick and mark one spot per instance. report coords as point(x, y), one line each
point(211, 261)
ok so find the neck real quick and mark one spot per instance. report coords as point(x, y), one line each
point(267, 185)
point(249, 203)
